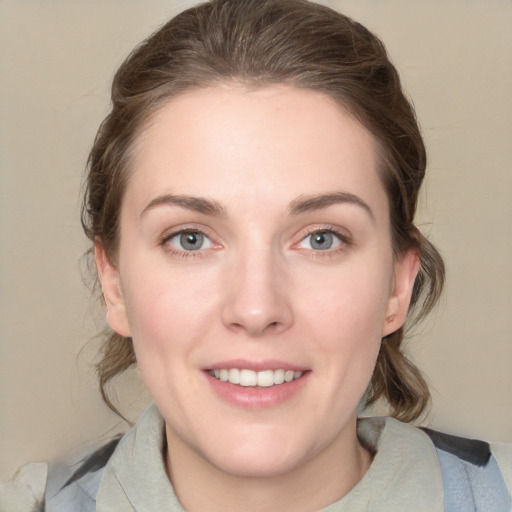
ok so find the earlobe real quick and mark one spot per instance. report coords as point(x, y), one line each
point(405, 272)
point(110, 284)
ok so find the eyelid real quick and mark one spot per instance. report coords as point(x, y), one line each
point(342, 235)
point(187, 228)
point(179, 234)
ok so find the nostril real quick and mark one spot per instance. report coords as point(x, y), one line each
point(257, 330)
point(273, 326)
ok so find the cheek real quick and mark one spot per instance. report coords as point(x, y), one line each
point(342, 323)
point(352, 340)
point(348, 306)
point(167, 311)
point(345, 318)
point(168, 324)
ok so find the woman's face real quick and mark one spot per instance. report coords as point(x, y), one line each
point(255, 247)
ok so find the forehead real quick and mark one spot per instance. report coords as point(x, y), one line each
point(274, 143)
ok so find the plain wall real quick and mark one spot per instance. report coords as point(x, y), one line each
point(57, 59)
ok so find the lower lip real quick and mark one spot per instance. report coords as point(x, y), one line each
point(256, 398)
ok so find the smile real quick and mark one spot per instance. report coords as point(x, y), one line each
point(264, 379)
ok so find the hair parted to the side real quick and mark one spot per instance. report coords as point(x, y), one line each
point(256, 43)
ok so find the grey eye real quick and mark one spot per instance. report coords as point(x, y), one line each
point(190, 241)
point(321, 241)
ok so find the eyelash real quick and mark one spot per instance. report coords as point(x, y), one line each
point(344, 242)
point(183, 253)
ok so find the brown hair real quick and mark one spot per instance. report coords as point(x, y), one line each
point(256, 43)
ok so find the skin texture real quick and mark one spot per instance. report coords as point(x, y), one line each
point(257, 290)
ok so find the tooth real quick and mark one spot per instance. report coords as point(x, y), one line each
point(288, 376)
point(234, 376)
point(278, 376)
point(266, 378)
point(248, 378)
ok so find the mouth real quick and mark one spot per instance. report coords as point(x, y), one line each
point(257, 385)
point(257, 379)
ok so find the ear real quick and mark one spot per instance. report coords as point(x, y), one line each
point(108, 273)
point(405, 271)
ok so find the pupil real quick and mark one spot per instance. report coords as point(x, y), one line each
point(191, 241)
point(321, 241)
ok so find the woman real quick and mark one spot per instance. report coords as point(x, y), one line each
point(250, 200)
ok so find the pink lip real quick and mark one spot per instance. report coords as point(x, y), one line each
point(257, 366)
point(252, 397)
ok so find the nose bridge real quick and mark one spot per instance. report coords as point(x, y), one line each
point(257, 300)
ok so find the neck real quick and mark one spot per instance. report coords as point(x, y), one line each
point(312, 485)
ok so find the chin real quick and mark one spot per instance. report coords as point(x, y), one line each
point(263, 465)
point(260, 456)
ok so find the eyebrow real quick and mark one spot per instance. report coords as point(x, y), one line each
point(302, 204)
point(305, 204)
point(196, 204)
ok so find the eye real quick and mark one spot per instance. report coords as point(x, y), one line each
point(189, 241)
point(322, 240)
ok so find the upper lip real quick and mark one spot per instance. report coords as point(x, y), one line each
point(256, 366)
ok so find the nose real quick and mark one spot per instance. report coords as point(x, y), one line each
point(257, 298)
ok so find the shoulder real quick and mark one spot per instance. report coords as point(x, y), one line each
point(473, 451)
point(470, 474)
point(24, 492)
point(503, 455)
point(476, 474)
point(74, 480)
point(67, 483)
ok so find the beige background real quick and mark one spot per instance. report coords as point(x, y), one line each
point(56, 61)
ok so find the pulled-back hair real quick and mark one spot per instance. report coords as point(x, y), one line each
point(258, 43)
